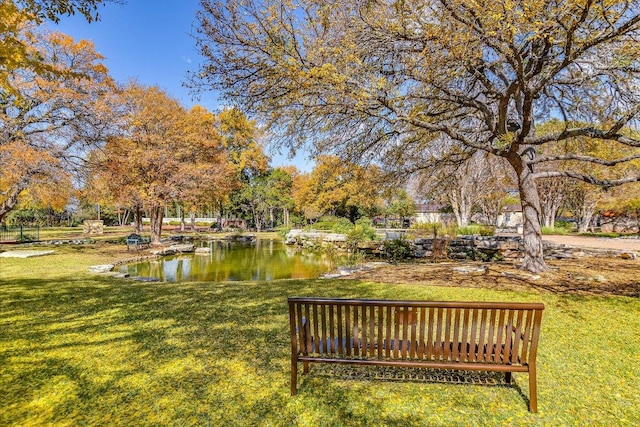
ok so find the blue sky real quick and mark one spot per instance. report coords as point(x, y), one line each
point(151, 41)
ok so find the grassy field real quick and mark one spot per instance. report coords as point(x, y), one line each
point(80, 349)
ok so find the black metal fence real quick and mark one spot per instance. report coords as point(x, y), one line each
point(19, 233)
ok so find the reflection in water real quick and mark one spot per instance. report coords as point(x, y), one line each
point(262, 260)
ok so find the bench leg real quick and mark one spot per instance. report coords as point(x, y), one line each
point(533, 390)
point(294, 376)
point(507, 377)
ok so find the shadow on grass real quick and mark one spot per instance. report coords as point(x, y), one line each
point(352, 374)
point(105, 351)
point(99, 351)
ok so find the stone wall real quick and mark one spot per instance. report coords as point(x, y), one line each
point(460, 248)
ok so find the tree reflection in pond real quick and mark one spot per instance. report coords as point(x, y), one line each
point(262, 260)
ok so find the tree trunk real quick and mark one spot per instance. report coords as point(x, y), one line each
point(461, 208)
point(550, 212)
point(220, 217)
point(156, 215)
point(9, 204)
point(123, 218)
point(192, 217)
point(138, 220)
point(551, 194)
point(182, 221)
point(532, 233)
point(585, 213)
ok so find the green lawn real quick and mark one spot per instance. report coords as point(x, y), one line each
point(78, 349)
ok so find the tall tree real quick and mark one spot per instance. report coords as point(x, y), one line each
point(18, 36)
point(336, 187)
point(142, 162)
point(240, 137)
point(365, 77)
point(465, 183)
point(206, 171)
point(47, 128)
point(399, 204)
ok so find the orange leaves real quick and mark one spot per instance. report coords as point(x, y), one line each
point(54, 109)
point(335, 186)
point(34, 174)
point(170, 154)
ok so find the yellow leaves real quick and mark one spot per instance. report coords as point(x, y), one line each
point(335, 184)
point(36, 174)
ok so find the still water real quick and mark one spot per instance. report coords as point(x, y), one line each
point(229, 261)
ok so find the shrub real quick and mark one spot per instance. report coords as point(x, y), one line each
point(432, 229)
point(332, 224)
point(362, 231)
point(284, 230)
point(567, 225)
point(26, 238)
point(398, 249)
point(554, 230)
point(475, 229)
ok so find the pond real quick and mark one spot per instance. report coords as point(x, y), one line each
point(231, 261)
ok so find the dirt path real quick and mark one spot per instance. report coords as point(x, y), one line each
point(596, 242)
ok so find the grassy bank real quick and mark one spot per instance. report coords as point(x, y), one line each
point(79, 349)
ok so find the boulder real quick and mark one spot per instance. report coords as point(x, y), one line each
point(203, 251)
point(104, 268)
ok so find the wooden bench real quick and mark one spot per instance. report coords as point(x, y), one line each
point(481, 336)
point(137, 241)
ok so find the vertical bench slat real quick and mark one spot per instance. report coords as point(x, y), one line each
point(438, 338)
point(340, 331)
point(316, 336)
point(396, 333)
point(482, 342)
point(497, 353)
point(473, 351)
point(354, 342)
point(388, 325)
point(301, 335)
point(421, 338)
point(364, 331)
point(413, 348)
point(455, 351)
point(447, 335)
point(332, 329)
point(430, 349)
point(404, 343)
point(308, 330)
point(372, 331)
point(508, 339)
point(489, 346)
point(347, 329)
point(517, 338)
point(380, 329)
point(526, 337)
point(465, 343)
point(323, 322)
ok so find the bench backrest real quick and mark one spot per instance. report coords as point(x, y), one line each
point(484, 332)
